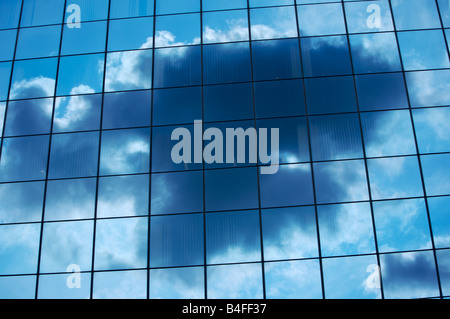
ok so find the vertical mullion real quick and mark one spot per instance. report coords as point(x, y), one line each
point(310, 157)
point(99, 153)
point(48, 154)
point(417, 154)
point(364, 152)
point(442, 26)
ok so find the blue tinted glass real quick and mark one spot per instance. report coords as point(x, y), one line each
point(276, 59)
point(176, 240)
point(225, 26)
point(10, 14)
point(289, 233)
point(341, 181)
point(444, 8)
point(363, 16)
point(5, 76)
point(439, 210)
point(15, 209)
point(121, 110)
point(396, 177)
point(340, 95)
point(177, 106)
point(279, 98)
point(180, 192)
point(125, 152)
point(436, 174)
point(273, 23)
point(18, 287)
point(8, 41)
point(55, 287)
point(131, 8)
point(177, 6)
point(38, 42)
point(177, 283)
point(432, 129)
point(316, 53)
point(224, 63)
point(120, 285)
point(264, 3)
point(427, 88)
point(77, 113)
point(89, 38)
point(129, 34)
point(402, 225)
point(231, 189)
point(24, 158)
point(32, 78)
point(38, 12)
point(321, 19)
point(443, 258)
point(74, 155)
point(88, 10)
point(176, 30)
point(177, 67)
point(123, 196)
point(223, 4)
point(409, 275)
point(228, 102)
point(336, 137)
point(2, 116)
point(28, 117)
point(406, 14)
point(291, 185)
point(232, 237)
point(129, 70)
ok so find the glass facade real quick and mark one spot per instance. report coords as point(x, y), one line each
point(92, 204)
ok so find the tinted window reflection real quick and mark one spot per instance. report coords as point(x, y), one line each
point(55, 287)
point(427, 88)
point(18, 287)
point(443, 258)
point(5, 75)
point(273, 23)
point(321, 19)
point(2, 116)
point(439, 210)
point(432, 129)
point(91, 10)
point(9, 14)
point(436, 173)
point(130, 34)
point(131, 8)
point(176, 30)
point(8, 41)
point(177, 283)
point(37, 12)
point(406, 14)
point(120, 285)
point(89, 38)
point(223, 4)
point(359, 13)
point(177, 6)
point(225, 26)
point(38, 42)
point(29, 117)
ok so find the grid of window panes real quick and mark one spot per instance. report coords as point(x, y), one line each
point(360, 91)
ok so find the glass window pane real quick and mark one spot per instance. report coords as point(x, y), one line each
point(290, 186)
point(409, 275)
point(381, 91)
point(228, 102)
point(235, 282)
point(177, 6)
point(273, 23)
point(388, 133)
point(55, 287)
point(123, 196)
point(176, 30)
point(70, 199)
point(428, 88)
point(346, 229)
point(38, 42)
point(363, 16)
point(225, 26)
point(15, 209)
point(8, 41)
point(74, 155)
point(276, 59)
point(342, 181)
point(423, 50)
point(120, 285)
point(130, 34)
point(65, 244)
point(129, 70)
point(5, 76)
point(346, 278)
point(406, 14)
point(2, 116)
point(321, 19)
point(128, 109)
point(36, 12)
point(336, 137)
point(121, 243)
point(443, 258)
point(233, 237)
point(444, 8)
point(225, 63)
point(340, 96)
point(28, 117)
point(436, 173)
point(177, 67)
point(289, 233)
point(177, 283)
point(293, 280)
point(31, 79)
point(266, 3)
point(234, 188)
point(316, 52)
point(90, 37)
point(174, 193)
point(439, 212)
point(24, 158)
point(376, 52)
point(177, 106)
point(432, 129)
point(125, 152)
point(74, 79)
point(223, 4)
point(396, 177)
point(176, 240)
point(9, 14)
point(131, 8)
point(20, 248)
point(77, 113)
point(18, 287)
point(402, 225)
point(90, 10)
point(279, 98)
